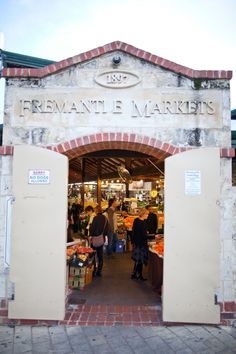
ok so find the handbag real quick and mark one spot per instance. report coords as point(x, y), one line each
point(98, 241)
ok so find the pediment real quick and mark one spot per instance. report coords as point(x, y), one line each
point(114, 47)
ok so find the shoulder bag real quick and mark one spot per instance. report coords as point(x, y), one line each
point(98, 241)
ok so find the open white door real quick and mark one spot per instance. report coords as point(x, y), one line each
point(38, 258)
point(192, 241)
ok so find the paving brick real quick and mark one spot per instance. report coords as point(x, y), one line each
point(43, 347)
point(135, 342)
point(73, 331)
point(185, 351)
point(156, 343)
point(40, 334)
point(102, 349)
point(228, 340)
point(197, 345)
point(97, 340)
point(82, 349)
point(6, 346)
point(21, 347)
point(124, 349)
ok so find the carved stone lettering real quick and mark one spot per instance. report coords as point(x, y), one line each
point(117, 79)
point(147, 108)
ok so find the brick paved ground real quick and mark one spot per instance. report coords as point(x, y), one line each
point(117, 339)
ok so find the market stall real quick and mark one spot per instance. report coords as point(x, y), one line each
point(80, 264)
point(155, 263)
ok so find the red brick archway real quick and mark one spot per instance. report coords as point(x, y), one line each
point(113, 141)
point(117, 140)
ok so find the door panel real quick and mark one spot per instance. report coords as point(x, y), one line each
point(192, 241)
point(38, 258)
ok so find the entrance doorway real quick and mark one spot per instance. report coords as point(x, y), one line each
point(116, 288)
point(192, 161)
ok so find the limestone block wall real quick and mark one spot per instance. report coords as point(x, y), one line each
point(52, 113)
point(227, 231)
point(5, 222)
point(76, 102)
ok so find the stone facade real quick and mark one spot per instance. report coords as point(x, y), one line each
point(118, 93)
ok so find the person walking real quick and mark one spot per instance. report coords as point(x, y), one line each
point(140, 250)
point(98, 227)
point(112, 219)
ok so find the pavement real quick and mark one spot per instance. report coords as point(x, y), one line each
point(117, 339)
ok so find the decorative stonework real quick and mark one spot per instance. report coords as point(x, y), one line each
point(140, 102)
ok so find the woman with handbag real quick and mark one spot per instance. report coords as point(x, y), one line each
point(98, 230)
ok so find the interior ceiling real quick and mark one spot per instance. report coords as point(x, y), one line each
point(140, 166)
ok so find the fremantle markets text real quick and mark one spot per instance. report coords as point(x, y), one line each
point(147, 108)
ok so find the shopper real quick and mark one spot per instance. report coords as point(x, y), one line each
point(99, 226)
point(140, 250)
point(112, 219)
point(89, 210)
point(152, 222)
point(76, 210)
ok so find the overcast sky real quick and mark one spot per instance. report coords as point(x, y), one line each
point(200, 34)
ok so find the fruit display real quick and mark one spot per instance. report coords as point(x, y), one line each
point(80, 261)
point(158, 247)
point(128, 221)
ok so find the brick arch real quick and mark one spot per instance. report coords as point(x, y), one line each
point(112, 141)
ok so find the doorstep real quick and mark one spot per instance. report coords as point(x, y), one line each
point(98, 315)
point(114, 315)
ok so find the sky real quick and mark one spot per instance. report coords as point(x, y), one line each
point(200, 34)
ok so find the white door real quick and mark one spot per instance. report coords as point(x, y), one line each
point(192, 241)
point(38, 258)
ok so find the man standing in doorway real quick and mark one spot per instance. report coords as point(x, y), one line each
point(112, 220)
point(152, 221)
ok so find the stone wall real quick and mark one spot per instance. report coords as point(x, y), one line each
point(45, 111)
point(81, 100)
point(5, 222)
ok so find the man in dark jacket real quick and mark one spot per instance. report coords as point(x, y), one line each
point(152, 222)
point(112, 219)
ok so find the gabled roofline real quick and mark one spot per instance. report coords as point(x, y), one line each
point(111, 47)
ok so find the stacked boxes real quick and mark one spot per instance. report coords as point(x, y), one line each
point(77, 277)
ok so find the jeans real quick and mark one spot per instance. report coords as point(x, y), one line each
point(112, 241)
point(99, 253)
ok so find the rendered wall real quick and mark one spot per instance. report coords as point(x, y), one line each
point(36, 113)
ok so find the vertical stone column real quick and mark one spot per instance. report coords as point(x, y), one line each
point(5, 223)
point(228, 232)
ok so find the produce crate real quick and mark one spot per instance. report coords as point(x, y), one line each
point(74, 271)
point(78, 271)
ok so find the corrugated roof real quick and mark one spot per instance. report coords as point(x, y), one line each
point(15, 60)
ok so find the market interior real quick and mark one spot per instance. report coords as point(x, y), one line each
point(93, 179)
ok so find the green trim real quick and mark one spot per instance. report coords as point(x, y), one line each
point(14, 60)
point(233, 114)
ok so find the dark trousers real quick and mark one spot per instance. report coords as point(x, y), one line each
point(138, 269)
point(99, 253)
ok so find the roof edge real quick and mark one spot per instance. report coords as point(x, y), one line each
point(110, 47)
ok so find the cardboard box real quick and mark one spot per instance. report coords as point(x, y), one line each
point(89, 275)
